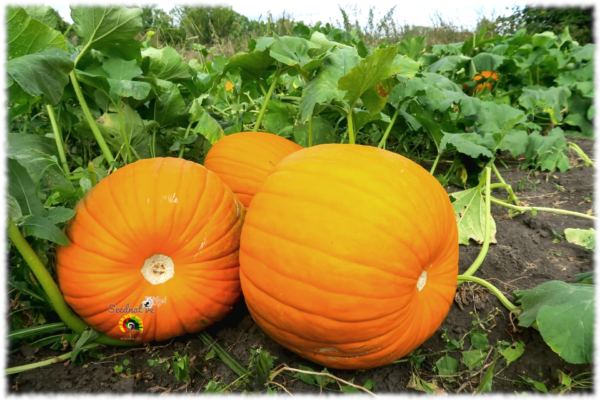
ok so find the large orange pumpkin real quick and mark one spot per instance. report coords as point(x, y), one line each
point(153, 251)
point(244, 160)
point(349, 255)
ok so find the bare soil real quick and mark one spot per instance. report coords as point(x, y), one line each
point(524, 257)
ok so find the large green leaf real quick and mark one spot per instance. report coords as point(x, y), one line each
point(323, 88)
point(46, 15)
point(28, 36)
point(469, 208)
point(110, 30)
point(368, 73)
point(44, 73)
point(29, 150)
point(412, 47)
point(279, 118)
point(564, 313)
point(322, 132)
point(254, 63)
point(550, 100)
point(515, 141)
point(582, 237)
point(547, 152)
point(120, 74)
point(470, 144)
point(289, 50)
point(209, 128)
point(166, 64)
point(43, 228)
point(169, 106)
point(22, 188)
point(135, 129)
point(487, 62)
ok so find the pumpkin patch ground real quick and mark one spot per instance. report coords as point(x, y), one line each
point(529, 252)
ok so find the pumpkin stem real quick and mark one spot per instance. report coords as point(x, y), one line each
point(54, 294)
point(505, 302)
point(263, 109)
point(59, 141)
point(508, 188)
point(158, 269)
point(422, 281)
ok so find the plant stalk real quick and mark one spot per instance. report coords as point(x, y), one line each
point(90, 120)
point(389, 128)
point(263, 109)
point(56, 298)
point(128, 150)
point(587, 161)
point(546, 209)
point(93, 177)
point(508, 188)
point(59, 140)
point(488, 227)
point(505, 302)
point(187, 132)
point(435, 163)
point(351, 139)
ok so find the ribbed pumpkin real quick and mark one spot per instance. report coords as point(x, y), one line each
point(349, 255)
point(154, 244)
point(244, 160)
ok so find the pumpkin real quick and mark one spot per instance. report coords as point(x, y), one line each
point(483, 76)
point(153, 251)
point(349, 255)
point(244, 160)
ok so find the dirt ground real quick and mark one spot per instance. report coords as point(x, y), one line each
point(524, 256)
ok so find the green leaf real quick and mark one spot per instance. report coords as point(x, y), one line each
point(412, 47)
point(279, 118)
point(288, 50)
point(110, 30)
point(254, 63)
point(29, 150)
point(166, 64)
point(368, 73)
point(309, 379)
point(14, 209)
point(22, 188)
point(564, 313)
point(34, 331)
point(43, 228)
point(470, 144)
point(46, 15)
point(447, 365)
point(587, 129)
point(492, 117)
point(473, 358)
point(549, 100)
point(585, 277)
point(548, 152)
point(209, 128)
point(323, 88)
point(169, 106)
point(88, 336)
point(486, 382)
point(513, 352)
point(469, 208)
point(515, 142)
point(28, 36)
point(408, 67)
point(487, 62)
point(60, 214)
point(322, 132)
point(480, 342)
point(121, 69)
point(44, 73)
point(582, 237)
point(120, 74)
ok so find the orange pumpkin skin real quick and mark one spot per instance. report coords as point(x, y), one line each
point(244, 160)
point(159, 206)
point(332, 251)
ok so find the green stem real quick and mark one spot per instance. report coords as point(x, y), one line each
point(263, 109)
point(350, 129)
point(56, 298)
point(581, 154)
point(223, 355)
point(435, 163)
point(129, 159)
point(59, 140)
point(310, 131)
point(505, 302)
point(23, 368)
point(90, 120)
point(389, 128)
point(546, 209)
point(92, 174)
point(488, 227)
point(187, 132)
point(508, 188)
